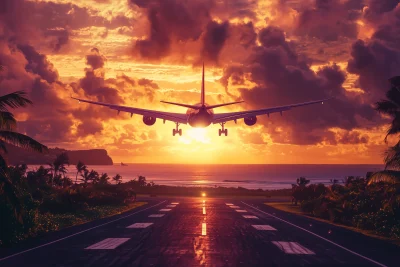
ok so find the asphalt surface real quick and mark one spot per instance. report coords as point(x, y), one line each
point(203, 232)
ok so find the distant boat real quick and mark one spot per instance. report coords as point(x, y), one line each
point(123, 164)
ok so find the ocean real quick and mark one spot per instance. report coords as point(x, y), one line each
point(247, 176)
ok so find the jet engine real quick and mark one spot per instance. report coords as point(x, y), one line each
point(250, 121)
point(149, 120)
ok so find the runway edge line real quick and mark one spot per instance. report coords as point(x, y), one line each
point(81, 232)
point(323, 238)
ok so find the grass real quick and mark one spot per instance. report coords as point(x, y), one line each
point(49, 222)
point(289, 207)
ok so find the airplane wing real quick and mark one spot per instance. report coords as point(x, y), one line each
point(175, 117)
point(224, 117)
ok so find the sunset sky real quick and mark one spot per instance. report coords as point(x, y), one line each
point(265, 52)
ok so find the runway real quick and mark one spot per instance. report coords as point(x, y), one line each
point(203, 232)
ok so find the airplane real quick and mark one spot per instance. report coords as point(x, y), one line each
point(200, 115)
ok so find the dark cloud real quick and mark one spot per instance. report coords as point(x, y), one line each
point(60, 37)
point(38, 64)
point(90, 126)
point(171, 20)
point(329, 20)
point(282, 77)
point(214, 39)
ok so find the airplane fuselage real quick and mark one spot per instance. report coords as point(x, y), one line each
point(200, 118)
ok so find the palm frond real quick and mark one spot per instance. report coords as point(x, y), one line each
point(7, 120)
point(392, 157)
point(393, 95)
point(389, 176)
point(387, 107)
point(22, 140)
point(14, 100)
point(3, 146)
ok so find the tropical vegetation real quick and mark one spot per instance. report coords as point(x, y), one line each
point(371, 202)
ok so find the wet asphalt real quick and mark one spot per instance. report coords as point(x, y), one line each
point(203, 232)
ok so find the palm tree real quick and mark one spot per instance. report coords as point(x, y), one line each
point(104, 178)
point(85, 177)
point(8, 123)
point(9, 136)
point(117, 178)
point(80, 167)
point(391, 106)
point(142, 180)
point(57, 167)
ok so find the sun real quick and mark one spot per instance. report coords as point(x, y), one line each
point(195, 135)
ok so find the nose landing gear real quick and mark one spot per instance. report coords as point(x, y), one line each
point(177, 130)
point(223, 130)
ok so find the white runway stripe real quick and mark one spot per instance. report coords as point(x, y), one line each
point(204, 229)
point(323, 238)
point(292, 248)
point(250, 217)
point(229, 204)
point(108, 243)
point(139, 225)
point(234, 207)
point(171, 206)
point(156, 215)
point(165, 209)
point(264, 227)
point(175, 203)
point(241, 210)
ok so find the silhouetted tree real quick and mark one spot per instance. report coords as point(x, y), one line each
point(8, 125)
point(103, 179)
point(57, 167)
point(117, 178)
point(80, 167)
point(302, 181)
point(142, 180)
point(391, 106)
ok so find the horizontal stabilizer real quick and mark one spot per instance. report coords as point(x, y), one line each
point(181, 105)
point(221, 105)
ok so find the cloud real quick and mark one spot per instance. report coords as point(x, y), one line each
point(283, 77)
point(329, 20)
point(214, 39)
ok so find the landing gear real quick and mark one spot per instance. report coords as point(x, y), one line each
point(177, 130)
point(223, 130)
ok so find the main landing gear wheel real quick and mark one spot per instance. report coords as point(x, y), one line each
point(223, 130)
point(177, 130)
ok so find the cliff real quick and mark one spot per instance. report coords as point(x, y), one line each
point(17, 155)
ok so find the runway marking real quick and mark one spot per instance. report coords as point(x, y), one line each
point(292, 248)
point(250, 217)
point(314, 234)
point(264, 227)
point(241, 210)
point(58, 240)
point(204, 229)
point(175, 203)
point(171, 206)
point(139, 225)
point(229, 204)
point(165, 209)
point(234, 207)
point(156, 215)
point(108, 243)
point(204, 210)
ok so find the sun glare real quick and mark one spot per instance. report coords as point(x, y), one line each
point(195, 135)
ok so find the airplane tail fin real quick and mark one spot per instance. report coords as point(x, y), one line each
point(202, 100)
